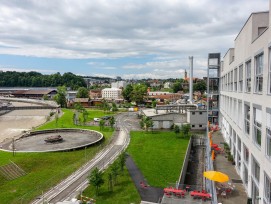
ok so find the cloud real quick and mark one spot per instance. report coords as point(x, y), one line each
point(170, 31)
point(44, 71)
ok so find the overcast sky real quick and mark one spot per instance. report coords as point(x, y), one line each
point(127, 38)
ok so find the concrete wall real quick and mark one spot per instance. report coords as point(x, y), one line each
point(197, 118)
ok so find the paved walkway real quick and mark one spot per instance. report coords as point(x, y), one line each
point(222, 164)
point(148, 193)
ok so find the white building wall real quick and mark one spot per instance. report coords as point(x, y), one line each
point(111, 93)
point(247, 47)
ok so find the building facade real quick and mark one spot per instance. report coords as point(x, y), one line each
point(111, 93)
point(245, 105)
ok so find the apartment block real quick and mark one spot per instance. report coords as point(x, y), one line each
point(245, 105)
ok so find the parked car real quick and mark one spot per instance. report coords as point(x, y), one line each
point(97, 119)
point(106, 117)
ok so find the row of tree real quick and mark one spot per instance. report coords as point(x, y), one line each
point(35, 79)
point(96, 177)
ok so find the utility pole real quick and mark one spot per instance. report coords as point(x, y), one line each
point(191, 80)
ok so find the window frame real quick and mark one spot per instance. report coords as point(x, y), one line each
point(248, 76)
point(258, 78)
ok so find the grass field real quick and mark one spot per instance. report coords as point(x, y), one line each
point(159, 155)
point(123, 192)
point(46, 169)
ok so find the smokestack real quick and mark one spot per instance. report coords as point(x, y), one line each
point(191, 80)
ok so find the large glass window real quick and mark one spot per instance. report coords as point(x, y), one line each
point(247, 119)
point(268, 135)
point(257, 126)
point(267, 189)
point(259, 73)
point(240, 114)
point(245, 175)
point(248, 76)
point(240, 78)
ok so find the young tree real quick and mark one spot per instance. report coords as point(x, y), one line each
point(56, 119)
point(115, 172)
point(82, 93)
point(85, 116)
point(112, 121)
point(96, 179)
point(200, 86)
point(101, 124)
point(185, 129)
point(110, 181)
point(122, 160)
point(148, 123)
point(176, 129)
point(114, 107)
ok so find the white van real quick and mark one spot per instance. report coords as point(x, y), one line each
point(97, 119)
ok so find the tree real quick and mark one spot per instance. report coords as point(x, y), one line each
point(45, 97)
point(78, 107)
point(115, 172)
point(126, 93)
point(60, 97)
point(82, 93)
point(177, 86)
point(146, 123)
point(154, 104)
point(85, 116)
point(112, 121)
point(101, 124)
point(138, 93)
point(96, 179)
point(122, 160)
point(200, 86)
point(110, 181)
point(185, 129)
point(176, 129)
point(105, 106)
point(56, 119)
point(114, 107)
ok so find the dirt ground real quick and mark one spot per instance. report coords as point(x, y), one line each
point(13, 123)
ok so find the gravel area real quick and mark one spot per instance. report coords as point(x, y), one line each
point(15, 122)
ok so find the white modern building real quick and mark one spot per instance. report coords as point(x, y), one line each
point(111, 93)
point(245, 105)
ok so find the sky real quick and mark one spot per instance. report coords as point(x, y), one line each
point(133, 39)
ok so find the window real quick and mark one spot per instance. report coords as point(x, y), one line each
point(231, 80)
point(193, 125)
point(267, 189)
point(248, 76)
point(200, 125)
point(235, 80)
point(259, 73)
point(193, 113)
point(239, 144)
point(257, 126)
point(247, 119)
point(245, 175)
point(240, 114)
point(200, 113)
point(256, 170)
point(246, 154)
point(240, 78)
point(268, 135)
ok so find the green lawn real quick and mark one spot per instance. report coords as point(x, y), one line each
point(123, 192)
point(159, 155)
point(46, 169)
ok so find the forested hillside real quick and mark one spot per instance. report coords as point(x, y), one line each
point(35, 79)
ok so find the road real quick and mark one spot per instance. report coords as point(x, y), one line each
point(71, 186)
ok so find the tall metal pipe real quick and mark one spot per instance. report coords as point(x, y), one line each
point(191, 80)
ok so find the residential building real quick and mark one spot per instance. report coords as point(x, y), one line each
point(111, 93)
point(95, 94)
point(245, 105)
point(168, 85)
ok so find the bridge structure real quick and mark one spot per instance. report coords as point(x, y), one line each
point(180, 108)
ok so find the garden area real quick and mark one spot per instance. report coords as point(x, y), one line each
point(44, 170)
point(159, 155)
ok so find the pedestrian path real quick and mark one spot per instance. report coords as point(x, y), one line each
point(222, 164)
